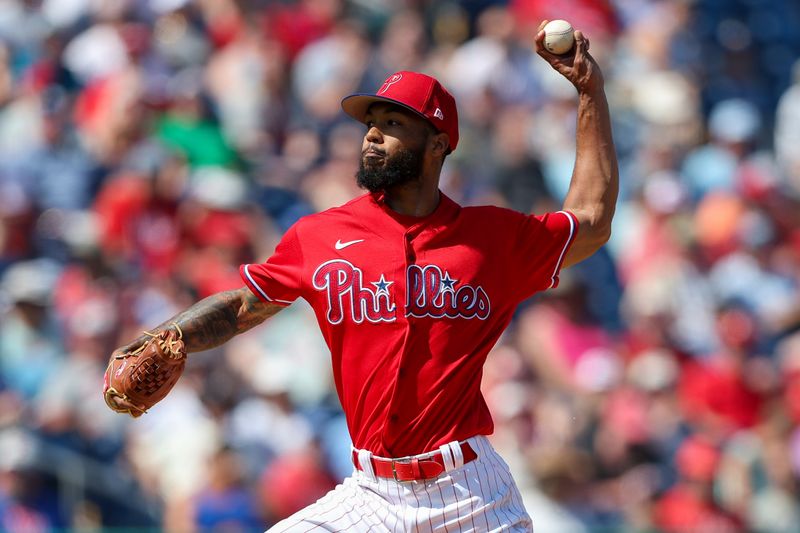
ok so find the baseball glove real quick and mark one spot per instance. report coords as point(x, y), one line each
point(135, 381)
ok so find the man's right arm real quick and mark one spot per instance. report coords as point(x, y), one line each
point(593, 190)
point(214, 320)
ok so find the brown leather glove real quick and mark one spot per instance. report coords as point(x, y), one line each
point(135, 381)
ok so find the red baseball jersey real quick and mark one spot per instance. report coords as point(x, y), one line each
point(410, 308)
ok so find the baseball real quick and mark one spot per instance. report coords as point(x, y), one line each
point(558, 36)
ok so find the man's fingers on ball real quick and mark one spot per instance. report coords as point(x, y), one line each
point(581, 40)
point(538, 41)
point(542, 50)
point(542, 25)
point(539, 45)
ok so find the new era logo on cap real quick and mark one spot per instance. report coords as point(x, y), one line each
point(418, 92)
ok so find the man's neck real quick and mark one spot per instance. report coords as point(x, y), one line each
point(417, 199)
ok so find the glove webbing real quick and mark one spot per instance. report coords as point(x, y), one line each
point(170, 351)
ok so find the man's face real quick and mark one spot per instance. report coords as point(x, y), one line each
point(393, 150)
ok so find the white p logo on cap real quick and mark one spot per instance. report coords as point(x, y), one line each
point(389, 82)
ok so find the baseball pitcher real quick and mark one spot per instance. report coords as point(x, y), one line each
point(411, 291)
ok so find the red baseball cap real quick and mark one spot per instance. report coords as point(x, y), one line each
point(417, 92)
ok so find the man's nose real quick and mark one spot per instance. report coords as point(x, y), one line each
point(374, 135)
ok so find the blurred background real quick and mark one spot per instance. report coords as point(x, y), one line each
point(148, 147)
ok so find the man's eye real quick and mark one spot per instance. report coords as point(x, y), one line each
point(369, 124)
point(391, 122)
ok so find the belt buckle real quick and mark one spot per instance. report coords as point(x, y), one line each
point(394, 469)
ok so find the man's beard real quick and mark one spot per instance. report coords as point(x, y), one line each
point(403, 167)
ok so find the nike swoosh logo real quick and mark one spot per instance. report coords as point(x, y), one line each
point(341, 245)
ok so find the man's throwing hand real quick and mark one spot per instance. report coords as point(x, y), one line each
point(578, 66)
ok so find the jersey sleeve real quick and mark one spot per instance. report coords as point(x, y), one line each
point(542, 243)
point(279, 279)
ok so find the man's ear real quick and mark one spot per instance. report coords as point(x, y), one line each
point(439, 143)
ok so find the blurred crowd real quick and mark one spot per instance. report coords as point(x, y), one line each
point(148, 147)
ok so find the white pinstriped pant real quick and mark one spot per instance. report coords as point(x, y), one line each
point(479, 496)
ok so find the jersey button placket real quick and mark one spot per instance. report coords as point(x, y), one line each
point(409, 249)
point(410, 258)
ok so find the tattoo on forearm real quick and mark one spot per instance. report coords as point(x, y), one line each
point(208, 323)
point(217, 318)
point(253, 311)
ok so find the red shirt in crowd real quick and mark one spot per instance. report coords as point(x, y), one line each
point(719, 389)
point(410, 308)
